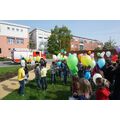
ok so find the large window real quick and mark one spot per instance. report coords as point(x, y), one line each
point(19, 41)
point(0, 50)
point(11, 40)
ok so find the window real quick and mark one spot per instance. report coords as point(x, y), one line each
point(81, 47)
point(11, 40)
point(8, 28)
point(81, 41)
point(19, 41)
point(0, 50)
point(17, 29)
point(13, 28)
point(45, 38)
point(21, 30)
point(40, 37)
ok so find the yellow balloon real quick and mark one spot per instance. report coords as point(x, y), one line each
point(38, 58)
point(86, 60)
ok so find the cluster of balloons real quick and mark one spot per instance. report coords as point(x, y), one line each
point(59, 57)
point(108, 54)
point(87, 60)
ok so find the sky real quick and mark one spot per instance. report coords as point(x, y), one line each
point(101, 30)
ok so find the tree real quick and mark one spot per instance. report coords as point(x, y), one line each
point(60, 39)
point(110, 44)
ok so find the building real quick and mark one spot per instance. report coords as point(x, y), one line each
point(39, 38)
point(12, 36)
point(81, 43)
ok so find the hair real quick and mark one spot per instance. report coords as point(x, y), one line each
point(102, 82)
point(84, 86)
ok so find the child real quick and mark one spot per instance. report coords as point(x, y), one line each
point(43, 77)
point(37, 75)
point(84, 90)
point(21, 78)
point(53, 71)
point(26, 73)
point(103, 91)
point(64, 71)
point(80, 70)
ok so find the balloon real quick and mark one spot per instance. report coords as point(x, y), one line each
point(75, 54)
point(102, 54)
point(34, 58)
point(65, 57)
point(92, 55)
point(87, 75)
point(101, 62)
point(74, 70)
point(108, 53)
point(27, 59)
point(93, 63)
point(32, 63)
point(23, 63)
point(89, 52)
point(114, 58)
point(98, 54)
point(54, 57)
point(65, 52)
point(59, 63)
point(72, 62)
point(86, 60)
point(38, 58)
point(95, 76)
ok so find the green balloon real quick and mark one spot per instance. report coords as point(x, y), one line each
point(74, 70)
point(72, 62)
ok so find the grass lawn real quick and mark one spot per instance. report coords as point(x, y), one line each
point(59, 91)
point(11, 69)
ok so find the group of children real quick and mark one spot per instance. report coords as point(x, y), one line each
point(104, 87)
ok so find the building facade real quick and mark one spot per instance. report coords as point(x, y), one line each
point(12, 36)
point(39, 38)
point(80, 43)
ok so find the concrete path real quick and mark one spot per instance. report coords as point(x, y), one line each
point(8, 86)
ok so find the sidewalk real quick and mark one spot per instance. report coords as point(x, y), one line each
point(8, 86)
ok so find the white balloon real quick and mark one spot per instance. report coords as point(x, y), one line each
point(33, 63)
point(23, 63)
point(102, 54)
point(108, 53)
point(54, 57)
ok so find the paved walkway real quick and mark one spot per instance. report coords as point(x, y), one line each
point(8, 86)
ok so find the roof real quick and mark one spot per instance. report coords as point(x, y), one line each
point(85, 38)
point(40, 29)
point(12, 24)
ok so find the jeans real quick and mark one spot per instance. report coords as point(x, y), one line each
point(38, 82)
point(65, 78)
point(53, 79)
point(43, 82)
point(22, 87)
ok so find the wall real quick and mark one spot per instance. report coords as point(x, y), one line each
point(21, 33)
point(5, 46)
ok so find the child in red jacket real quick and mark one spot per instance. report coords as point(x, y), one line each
point(103, 91)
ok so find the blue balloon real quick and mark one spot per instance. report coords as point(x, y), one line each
point(59, 63)
point(101, 62)
point(87, 75)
